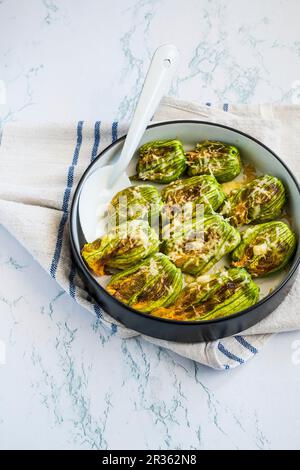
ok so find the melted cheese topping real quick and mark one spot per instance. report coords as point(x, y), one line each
point(260, 250)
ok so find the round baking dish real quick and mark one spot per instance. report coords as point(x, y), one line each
point(253, 151)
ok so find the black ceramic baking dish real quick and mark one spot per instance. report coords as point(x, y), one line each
point(266, 161)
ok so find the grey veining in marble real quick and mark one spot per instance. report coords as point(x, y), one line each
point(66, 382)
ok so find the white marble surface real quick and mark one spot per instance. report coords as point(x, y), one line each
point(65, 381)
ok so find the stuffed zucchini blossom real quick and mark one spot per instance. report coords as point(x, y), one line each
point(161, 161)
point(259, 201)
point(213, 296)
point(196, 191)
point(215, 158)
point(135, 202)
point(200, 244)
point(121, 248)
point(265, 248)
point(154, 283)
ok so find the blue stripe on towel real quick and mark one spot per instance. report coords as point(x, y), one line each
point(66, 200)
point(246, 344)
point(98, 310)
point(114, 131)
point(97, 137)
point(114, 329)
point(72, 275)
point(229, 354)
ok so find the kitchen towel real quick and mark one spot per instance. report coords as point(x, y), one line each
point(40, 166)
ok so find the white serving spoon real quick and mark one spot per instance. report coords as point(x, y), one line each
point(106, 181)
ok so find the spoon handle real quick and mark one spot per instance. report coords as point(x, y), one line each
point(158, 78)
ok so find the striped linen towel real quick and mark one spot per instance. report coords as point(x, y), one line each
point(41, 165)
